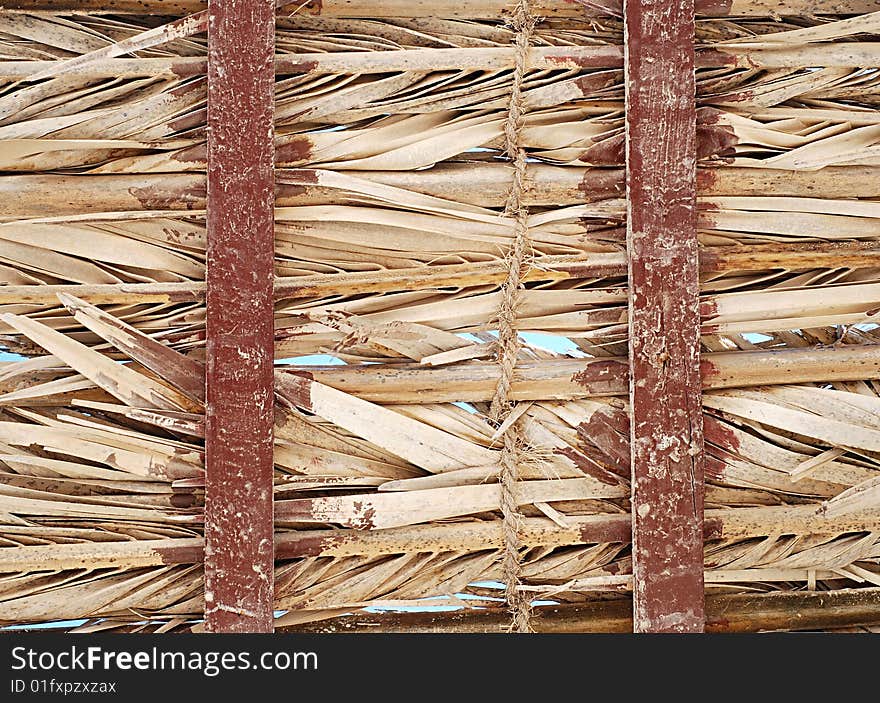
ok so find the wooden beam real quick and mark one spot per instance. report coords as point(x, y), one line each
point(346, 62)
point(840, 54)
point(239, 413)
point(52, 195)
point(567, 379)
point(737, 612)
point(664, 320)
point(740, 612)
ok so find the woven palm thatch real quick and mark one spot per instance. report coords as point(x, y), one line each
point(390, 247)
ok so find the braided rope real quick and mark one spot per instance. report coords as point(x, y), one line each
point(508, 341)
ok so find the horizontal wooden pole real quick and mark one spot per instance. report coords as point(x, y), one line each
point(133, 554)
point(553, 268)
point(832, 54)
point(566, 379)
point(840, 54)
point(547, 269)
point(740, 612)
point(830, 182)
point(728, 612)
point(723, 523)
point(474, 9)
point(106, 293)
point(789, 256)
point(482, 184)
point(362, 62)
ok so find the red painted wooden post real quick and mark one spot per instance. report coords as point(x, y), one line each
point(239, 552)
point(667, 432)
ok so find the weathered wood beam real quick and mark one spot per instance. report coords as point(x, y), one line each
point(482, 184)
point(740, 612)
point(838, 54)
point(578, 378)
point(664, 318)
point(569, 379)
point(240, 334)
point(345, 62)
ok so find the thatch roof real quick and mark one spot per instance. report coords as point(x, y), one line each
point(390, 245)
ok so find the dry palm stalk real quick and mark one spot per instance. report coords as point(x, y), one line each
point(389, 248)
point(849, 55)
point(147, 196)
point(735, 523)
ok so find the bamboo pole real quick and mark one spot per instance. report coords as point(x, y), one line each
point(722, 523)
point(54, 195)
point(96, 555)
point(487, 184)
point(576, 378)
point(568, 379)
point(741, 612)
point(553, 268)
point(476, 9)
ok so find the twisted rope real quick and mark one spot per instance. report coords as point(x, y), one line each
point(518, 602)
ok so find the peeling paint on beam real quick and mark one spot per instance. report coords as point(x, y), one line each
point(239, 551)
point(666, 423)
